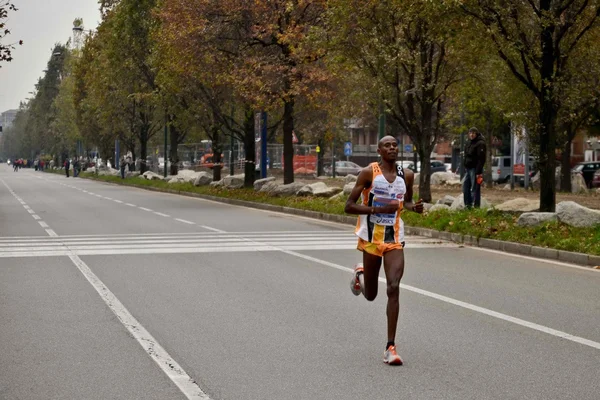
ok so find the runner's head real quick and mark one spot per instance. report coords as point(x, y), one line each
point(388, 148)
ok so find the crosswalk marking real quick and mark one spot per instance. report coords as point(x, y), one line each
point(201, 242)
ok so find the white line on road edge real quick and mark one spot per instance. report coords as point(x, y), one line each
point(185, 221)
point(168, 365)
point(472, 307)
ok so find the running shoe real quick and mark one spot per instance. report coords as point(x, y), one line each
point(355, 282)
point(391, 357)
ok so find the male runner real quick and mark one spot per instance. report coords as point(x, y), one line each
point(385, 189)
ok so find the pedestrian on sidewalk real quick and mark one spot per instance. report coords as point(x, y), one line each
point(67, 166)
point(474, 162)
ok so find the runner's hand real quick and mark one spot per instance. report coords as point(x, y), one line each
point(390, 208)
point(418, 207)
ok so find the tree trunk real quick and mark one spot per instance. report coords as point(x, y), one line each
point(487, 171)
point(565, 173)
point(217, 149)
point(143, 147)
point(174, 141)
point(547, 116)
point(288, 145)
point(249, 148)
point(424, 149)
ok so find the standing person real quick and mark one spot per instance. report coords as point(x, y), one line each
point(474, 162)
point(67, 166)
point(385, 189)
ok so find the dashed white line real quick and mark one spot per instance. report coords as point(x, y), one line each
point(36, 217)
point(51, 232)
point(118, 201)
point(30, 211)
point(161, 214)
point(43, 224)
point(130, 205)
point(145, 209)
point(185, 221)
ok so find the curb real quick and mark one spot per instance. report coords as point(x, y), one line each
point(581, 259)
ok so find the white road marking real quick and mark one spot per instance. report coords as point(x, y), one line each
point(212, 229)
point(26, 207)
point(145, 209)
point(30, 211)
point(51, 233)
point(36, 217)
point(169, 366)
point(130, 205)
point(118, 201)
point(161, 214)
point(185, 221)
point(469, 306)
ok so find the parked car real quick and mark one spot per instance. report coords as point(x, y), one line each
point(436, 166)
point(501, 169)
point(596, 179)
point(343, 168)
point(587, 169)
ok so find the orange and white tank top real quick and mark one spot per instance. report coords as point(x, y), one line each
point(382, 228)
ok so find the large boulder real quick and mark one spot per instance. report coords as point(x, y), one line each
point(318, 189)
point(348, 188)
point(438, 207)
point(259, 183)
point(287, 190)
point(459, 203)
point(520, 204)
point(176, 179)
point(188, 175)
point(536, 218)
point(109, 172)
point(350, 178)
point(216, 183)
point(132, 174)
point(578, 184)
point(203, 178)
point(574, 214)
point(269, 187)
point(151, 176)
point(234, 181)
point(440, 178)
point(447, 200)
point(340, 195)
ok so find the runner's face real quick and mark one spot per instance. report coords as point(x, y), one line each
point(472, 135)
point(389, 149)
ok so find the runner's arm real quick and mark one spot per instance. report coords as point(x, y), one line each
point(363, 181)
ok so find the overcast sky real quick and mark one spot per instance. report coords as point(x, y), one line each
point(40, 24)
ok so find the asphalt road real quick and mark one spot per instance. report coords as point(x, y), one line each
point(109, 292)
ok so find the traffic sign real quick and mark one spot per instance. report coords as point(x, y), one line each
point(348, 148)
point(408, 148)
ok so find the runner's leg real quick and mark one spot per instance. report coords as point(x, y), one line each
point(371, 265)
point(393, 265)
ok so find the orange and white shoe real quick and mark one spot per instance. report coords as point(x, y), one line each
point(355, 282)
point(391, 357)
